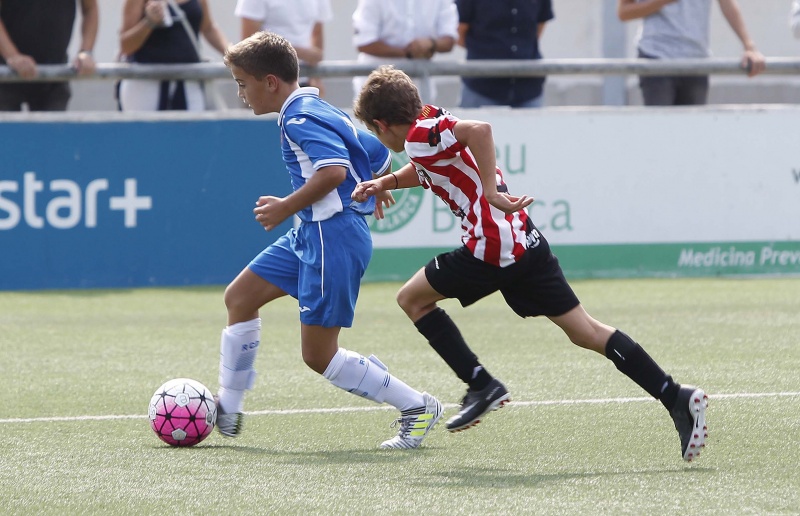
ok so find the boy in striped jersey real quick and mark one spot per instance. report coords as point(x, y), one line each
point(502, 251)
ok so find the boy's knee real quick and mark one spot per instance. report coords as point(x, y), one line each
point(404, 299)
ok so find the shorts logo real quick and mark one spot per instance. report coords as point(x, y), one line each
point(408, 201)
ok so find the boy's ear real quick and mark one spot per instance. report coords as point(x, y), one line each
point(380, 125)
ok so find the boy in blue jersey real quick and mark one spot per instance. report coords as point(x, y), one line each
point(321, 262)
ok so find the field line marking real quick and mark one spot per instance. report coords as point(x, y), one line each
point(340, 410)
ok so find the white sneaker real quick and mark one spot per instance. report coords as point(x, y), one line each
point(415, 424)
point(229, 424)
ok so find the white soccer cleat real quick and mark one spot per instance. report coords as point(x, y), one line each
point(415, 424)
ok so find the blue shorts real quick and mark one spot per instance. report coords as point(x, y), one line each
point(320, 264)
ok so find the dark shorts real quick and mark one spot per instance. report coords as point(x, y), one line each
point(39, 96)
point(533, 286)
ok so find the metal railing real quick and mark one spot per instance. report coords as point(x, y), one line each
point(420, 68)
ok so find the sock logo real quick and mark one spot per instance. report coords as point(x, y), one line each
point(250, 345)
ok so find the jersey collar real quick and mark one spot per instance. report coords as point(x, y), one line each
point(307, 91)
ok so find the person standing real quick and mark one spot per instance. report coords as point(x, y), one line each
point(504, 29)
point(502, 251)
point(165, 32)
point(681, 29)
point(301, 22)
point(38, 32)
point(404, 29)
point(321, 262)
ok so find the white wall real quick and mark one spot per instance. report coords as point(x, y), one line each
point(576, 32)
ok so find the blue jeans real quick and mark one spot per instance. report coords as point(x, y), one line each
point(472, 99)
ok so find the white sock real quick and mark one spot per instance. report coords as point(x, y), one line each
point(369, 378)
point(237, 353)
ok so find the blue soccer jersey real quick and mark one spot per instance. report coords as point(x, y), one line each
point(314, 135)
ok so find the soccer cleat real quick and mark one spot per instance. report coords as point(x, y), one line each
point(477, 403)
point(689, 415)
point(229, 424)
point(415, 424)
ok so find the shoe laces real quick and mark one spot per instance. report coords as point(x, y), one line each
point(405, 425)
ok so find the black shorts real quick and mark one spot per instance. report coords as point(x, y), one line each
point(39, 96)
point(533, 286)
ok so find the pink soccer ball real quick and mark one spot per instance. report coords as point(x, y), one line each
point(182, 412)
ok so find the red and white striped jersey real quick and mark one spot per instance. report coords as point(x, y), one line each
point(448, 168)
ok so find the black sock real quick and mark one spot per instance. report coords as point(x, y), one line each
point(445, 338)
point(636, 364)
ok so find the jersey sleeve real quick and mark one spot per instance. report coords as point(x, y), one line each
point(447, 24)
point(380, 160)
point(323, 146)
point(325, 13)
point(366, 22)
point(447, 136)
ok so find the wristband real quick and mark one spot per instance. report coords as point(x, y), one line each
point(433, 45)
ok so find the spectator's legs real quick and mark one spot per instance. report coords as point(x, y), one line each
point(11, 96)
point(657, 91)
point(49, 96)
point(692, 91)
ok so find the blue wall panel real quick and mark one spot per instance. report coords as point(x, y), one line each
point(134, 203)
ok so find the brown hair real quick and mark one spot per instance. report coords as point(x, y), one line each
point(388, 95)
point(264, 53)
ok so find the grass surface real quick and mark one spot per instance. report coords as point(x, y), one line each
point(578, 438)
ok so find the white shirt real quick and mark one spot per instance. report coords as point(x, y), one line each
point(397, 23)
point(292, 19)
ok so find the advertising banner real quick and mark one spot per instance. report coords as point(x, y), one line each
point(124, 203)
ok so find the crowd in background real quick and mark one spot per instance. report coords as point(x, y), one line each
point(170, 31)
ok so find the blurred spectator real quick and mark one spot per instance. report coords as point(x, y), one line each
point(504, 29)
point(675, 29)
point(300, 22)
point(794, 19)
point(397, 29)
point(165, 31)
point(38, 32)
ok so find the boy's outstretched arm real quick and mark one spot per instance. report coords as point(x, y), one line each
point(271, 211)
point(405, 177)
point(477, 136)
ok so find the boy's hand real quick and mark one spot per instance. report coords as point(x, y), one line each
point(270, 211)
point(383, 199)
point(509, 203)
point(365, 189)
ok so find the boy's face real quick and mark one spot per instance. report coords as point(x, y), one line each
point(259, 94)
point(390, 136)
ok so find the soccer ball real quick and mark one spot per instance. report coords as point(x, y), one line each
point(182, 412)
